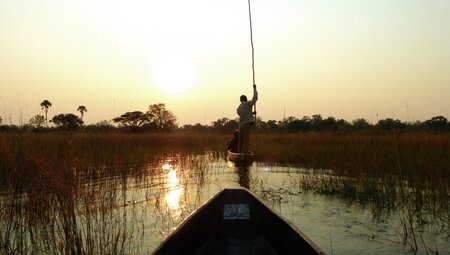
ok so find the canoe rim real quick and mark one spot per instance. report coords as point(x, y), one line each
point(209, 201)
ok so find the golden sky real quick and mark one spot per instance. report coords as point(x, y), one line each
point(343, 58)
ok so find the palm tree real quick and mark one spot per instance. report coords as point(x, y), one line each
point(45, 105)
point(82, 109)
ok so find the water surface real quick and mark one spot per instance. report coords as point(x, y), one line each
point(131, 208)
point(336, 225)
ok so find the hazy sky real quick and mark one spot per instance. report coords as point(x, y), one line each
point(347, 59)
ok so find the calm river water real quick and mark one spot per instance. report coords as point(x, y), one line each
point(131, 208)
point(159, 202)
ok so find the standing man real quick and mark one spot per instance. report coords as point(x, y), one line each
point(246, 120)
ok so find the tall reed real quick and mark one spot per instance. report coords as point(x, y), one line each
point(424, 158)
point(64, 193)
point(406, 174)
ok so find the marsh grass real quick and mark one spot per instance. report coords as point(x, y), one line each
point(65, 193)
point(406, 174)
point(423, 157)
point(418, 162)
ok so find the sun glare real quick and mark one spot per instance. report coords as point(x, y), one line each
point(173, 74)
point(175, 191)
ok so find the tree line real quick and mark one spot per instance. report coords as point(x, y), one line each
point(316, 123)
point(159, 119)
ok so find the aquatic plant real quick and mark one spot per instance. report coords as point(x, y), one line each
point(69, 192)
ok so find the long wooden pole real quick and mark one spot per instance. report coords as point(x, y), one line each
point(251, 41)
point(253, 57)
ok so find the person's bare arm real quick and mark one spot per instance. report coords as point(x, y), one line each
point(255, 95)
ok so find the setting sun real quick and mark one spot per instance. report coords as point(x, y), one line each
point(173, 74)
point(216, 127)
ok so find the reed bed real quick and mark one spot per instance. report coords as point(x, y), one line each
point(405, 174)
point(54, 197)
point(65, 193)
point(413, 159)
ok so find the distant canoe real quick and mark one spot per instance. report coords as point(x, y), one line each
point(234, 221)
point(240, 157)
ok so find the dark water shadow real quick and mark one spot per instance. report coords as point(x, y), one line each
point(243, 173)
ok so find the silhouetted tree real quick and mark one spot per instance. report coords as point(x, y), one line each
point(101, 126)
point(164, 119)
point(272, 125)
point(265, 126)
point(225, 125)
point(219, 124)
point(390, 124)
point(104, 123)
point(292, 124)
point(328, 124)
point(360, 124)
point(285, 123)
point(37, 121)
point(231, 126)
point(132, 119)
point(342, 124)
point(45, 105)
point(82, 109)
point(316, 122)
point(197, 128)
point(9, 128)
point(437, 123)
point(414, 126)
point(67, 121)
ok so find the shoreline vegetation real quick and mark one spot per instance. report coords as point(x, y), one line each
point(406, 172)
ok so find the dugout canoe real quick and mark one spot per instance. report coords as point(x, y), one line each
point(240, 157)
point(234, 221)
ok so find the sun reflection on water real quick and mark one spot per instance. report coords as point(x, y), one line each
point(175, 190)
